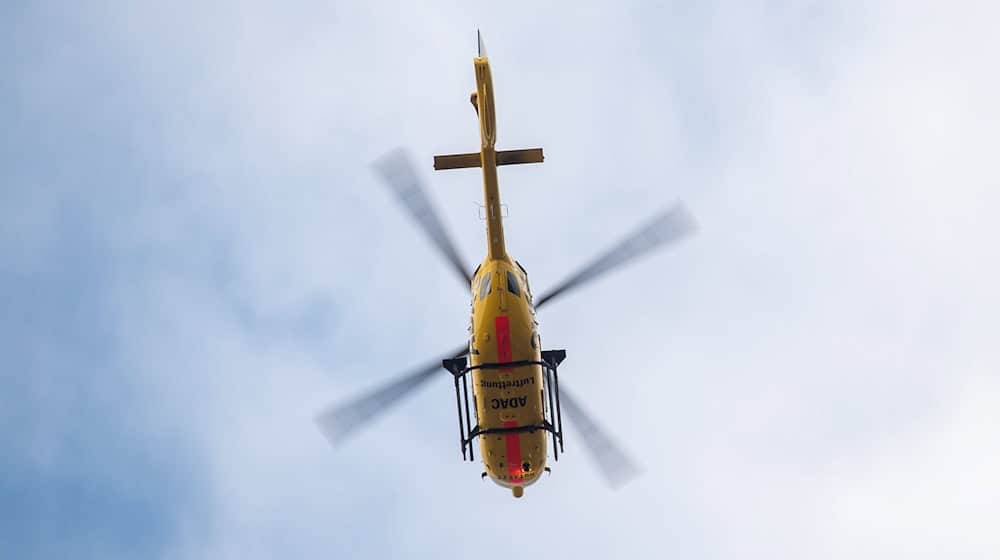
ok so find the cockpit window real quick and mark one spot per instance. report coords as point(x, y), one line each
point(512, 286)
point(485, 289)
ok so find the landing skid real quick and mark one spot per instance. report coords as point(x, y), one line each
point(552, 418)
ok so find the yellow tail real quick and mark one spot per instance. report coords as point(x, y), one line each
point(488, 158)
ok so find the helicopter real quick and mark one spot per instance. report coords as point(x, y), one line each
point(517, 401)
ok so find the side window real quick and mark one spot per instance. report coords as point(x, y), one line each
point(475, 282)
point(524, 281)
point(512, 286)
point(485, 288)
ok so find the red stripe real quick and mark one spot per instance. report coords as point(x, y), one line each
point(513, 441)
point(502, 324)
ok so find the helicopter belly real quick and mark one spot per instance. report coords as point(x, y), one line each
point(510, 399)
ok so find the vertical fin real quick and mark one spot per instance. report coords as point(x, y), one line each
point(482, 45)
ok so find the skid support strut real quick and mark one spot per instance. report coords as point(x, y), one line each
point(552, 418)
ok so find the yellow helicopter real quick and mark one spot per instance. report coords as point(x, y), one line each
point(517, 400)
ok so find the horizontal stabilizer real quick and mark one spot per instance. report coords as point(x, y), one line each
point(509, 157)
point(505, 157)
point(457, 161)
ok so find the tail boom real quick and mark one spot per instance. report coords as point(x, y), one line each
point(488, 158)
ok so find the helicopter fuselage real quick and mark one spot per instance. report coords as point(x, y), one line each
point(503, 329)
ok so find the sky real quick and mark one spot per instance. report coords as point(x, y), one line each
point(196, 258)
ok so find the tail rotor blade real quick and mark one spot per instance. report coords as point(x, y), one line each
point(671, 225)
point(614, 464)
point(397, 170)
point(339, 422)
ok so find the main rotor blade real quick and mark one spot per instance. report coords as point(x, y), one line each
point(670, 225)
point(396, 168)
point(339, 422)
point(615, 466)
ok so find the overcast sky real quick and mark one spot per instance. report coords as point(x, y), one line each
point(195, 258)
